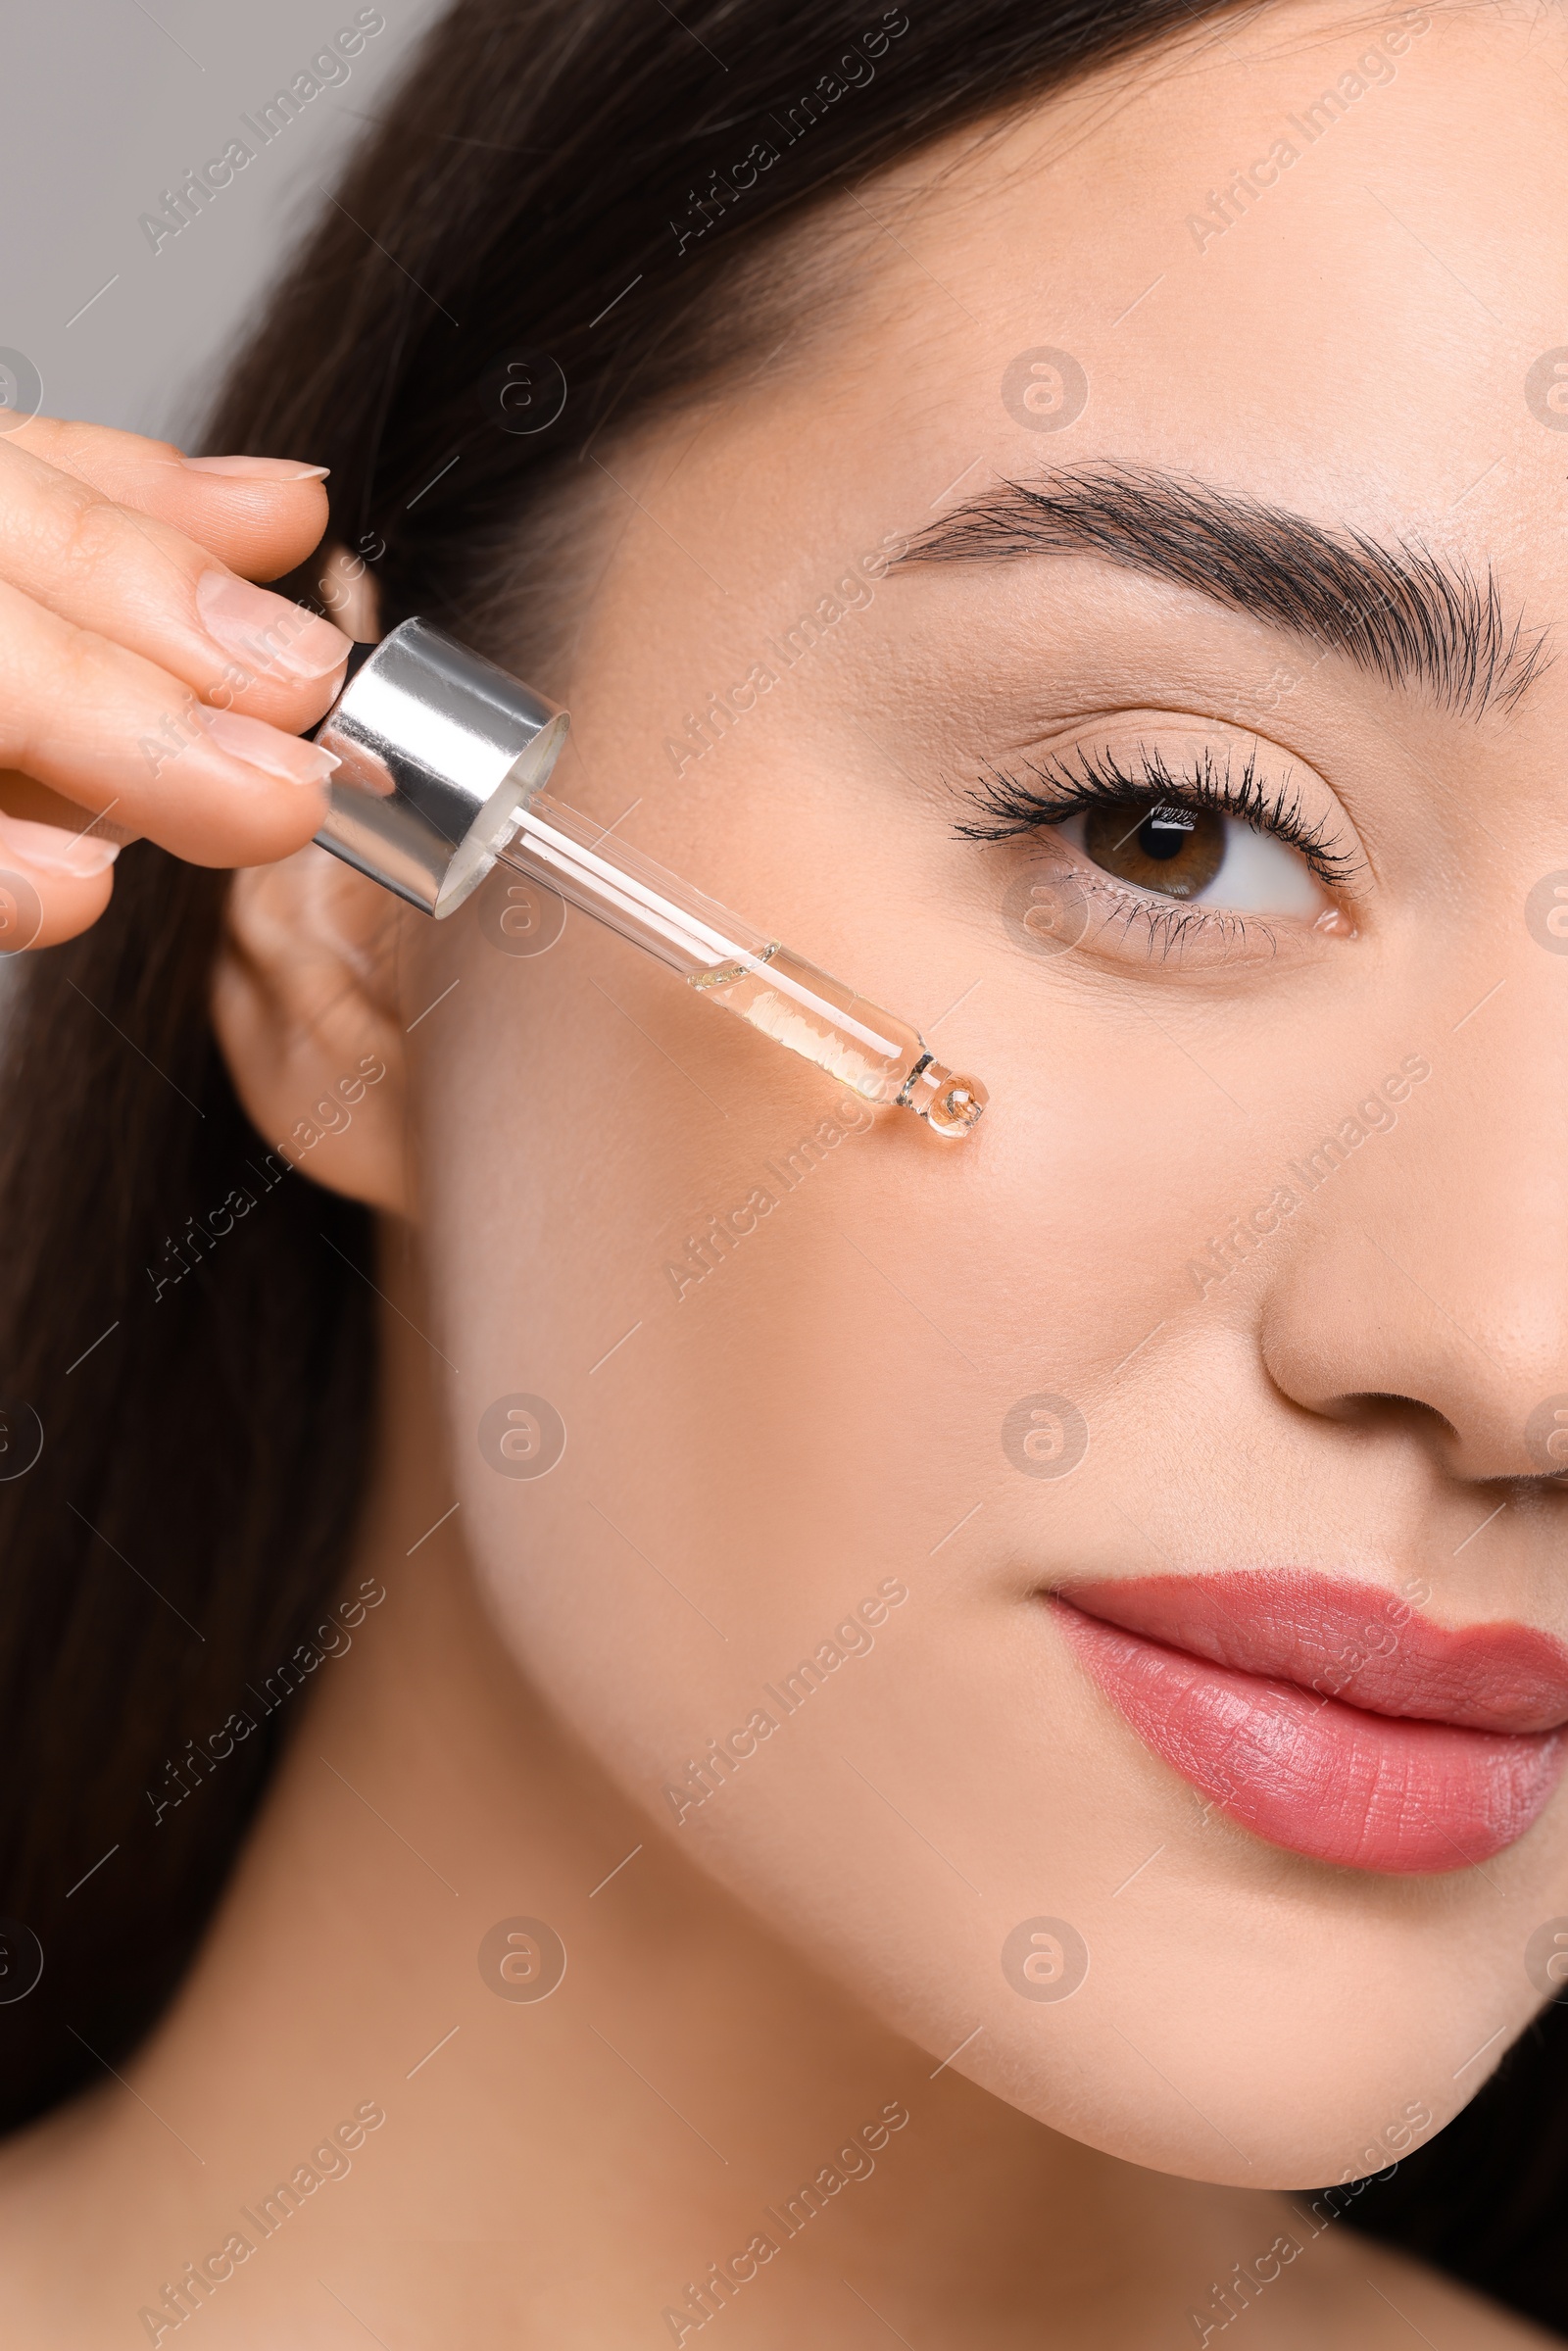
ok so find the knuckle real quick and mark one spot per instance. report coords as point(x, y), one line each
point(91, 535)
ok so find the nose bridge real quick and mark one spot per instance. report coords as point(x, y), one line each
point(1429, 1256)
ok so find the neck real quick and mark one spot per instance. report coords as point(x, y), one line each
point(691, 2123)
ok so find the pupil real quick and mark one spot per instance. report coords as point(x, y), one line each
point(1175, 851)
point(1161, 839)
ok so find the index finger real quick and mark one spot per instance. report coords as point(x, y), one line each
point(260, 516)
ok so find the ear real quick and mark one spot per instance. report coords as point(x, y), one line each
point(306, 1011)
point(349, 593)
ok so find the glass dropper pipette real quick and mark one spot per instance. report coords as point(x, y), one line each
point(726, 962)
point(443, 760)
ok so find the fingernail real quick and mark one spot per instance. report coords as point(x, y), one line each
point(268, 631)
point(49, 848)
point(268, 747)
point(257, 468)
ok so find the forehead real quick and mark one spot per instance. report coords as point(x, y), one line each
point(1309, 254)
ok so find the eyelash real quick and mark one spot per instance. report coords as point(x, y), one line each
point(1057, 789)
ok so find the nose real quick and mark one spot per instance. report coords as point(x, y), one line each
point(1427, 1273)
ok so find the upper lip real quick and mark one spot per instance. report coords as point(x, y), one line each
point(1340, 1638)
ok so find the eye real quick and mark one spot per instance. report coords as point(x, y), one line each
point(1201, 856)
point(1193, 832)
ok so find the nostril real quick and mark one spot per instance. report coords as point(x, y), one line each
point(1373, 1407)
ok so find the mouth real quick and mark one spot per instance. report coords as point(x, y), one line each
point(1327, 1715)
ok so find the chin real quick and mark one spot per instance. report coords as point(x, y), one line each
point(1057, 1913)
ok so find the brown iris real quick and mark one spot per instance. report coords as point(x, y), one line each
point(1172, 849)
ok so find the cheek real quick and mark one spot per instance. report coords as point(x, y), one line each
point(680, 1237)
point(827, 1399)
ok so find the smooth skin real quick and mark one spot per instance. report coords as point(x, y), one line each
point(751, 1454)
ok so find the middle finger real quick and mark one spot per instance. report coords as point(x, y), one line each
point(145, 586)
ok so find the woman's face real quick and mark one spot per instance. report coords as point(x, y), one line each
point(1247, 1298)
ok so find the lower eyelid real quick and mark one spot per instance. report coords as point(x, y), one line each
point(1150, 904)
point(1169, 923)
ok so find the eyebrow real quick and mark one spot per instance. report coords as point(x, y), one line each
point(1411, 617)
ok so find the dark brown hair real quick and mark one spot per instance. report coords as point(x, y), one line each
point(565, 216)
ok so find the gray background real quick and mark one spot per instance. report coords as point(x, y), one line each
point(104, 104)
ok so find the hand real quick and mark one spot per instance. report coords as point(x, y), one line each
point(146, 687)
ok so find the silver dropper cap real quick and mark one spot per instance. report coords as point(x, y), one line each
point(439, 749)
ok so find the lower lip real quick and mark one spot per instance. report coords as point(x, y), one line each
point(1369, 1792)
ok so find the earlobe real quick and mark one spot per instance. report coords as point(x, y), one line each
point(305, 1010)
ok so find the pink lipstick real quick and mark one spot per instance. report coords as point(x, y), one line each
point(1328, 1716)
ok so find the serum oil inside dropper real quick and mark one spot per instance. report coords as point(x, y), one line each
point(729, 964)
point(873, 1052)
